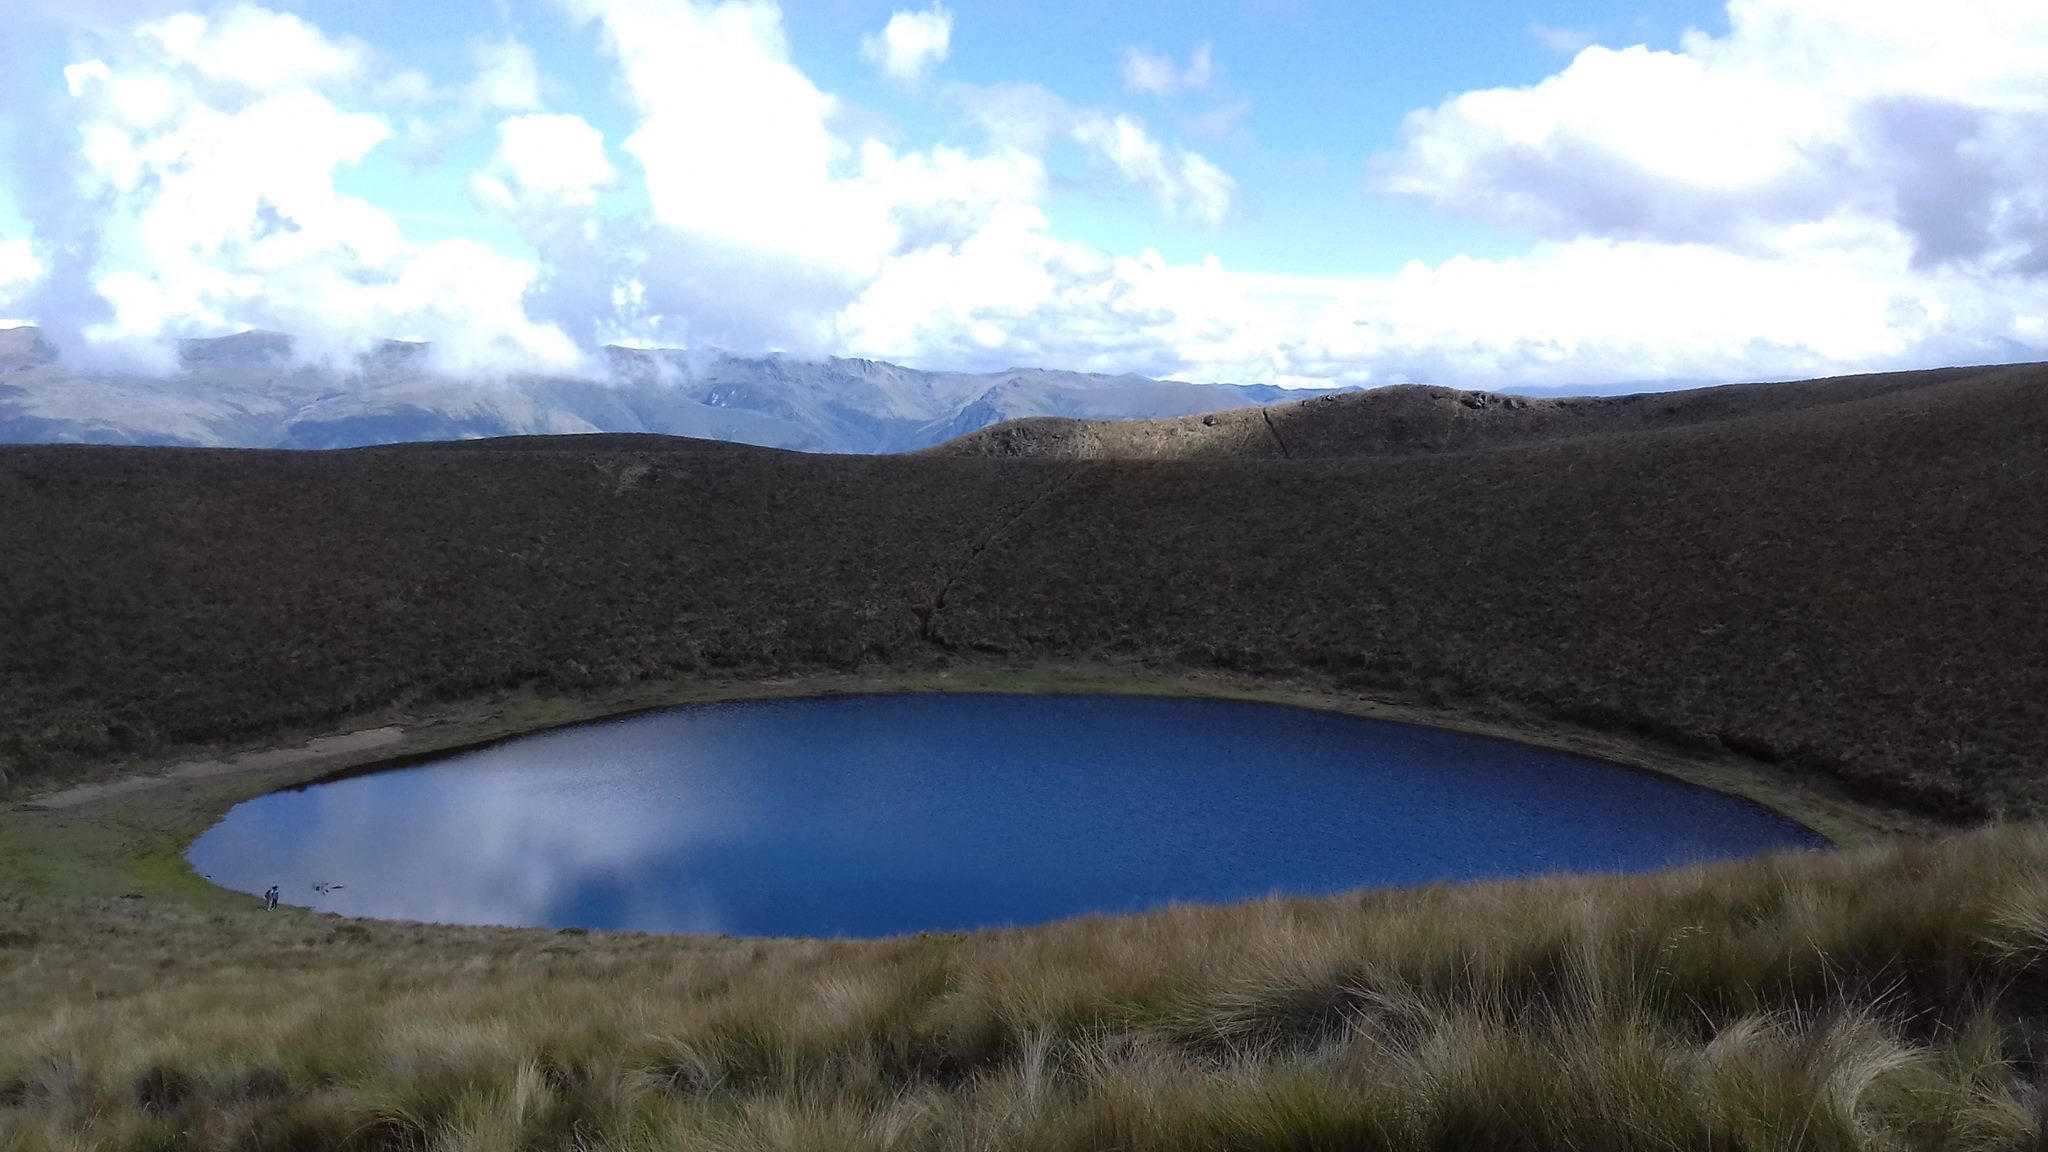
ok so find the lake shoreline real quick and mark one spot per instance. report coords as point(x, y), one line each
point(128, 834)
point(874, 815)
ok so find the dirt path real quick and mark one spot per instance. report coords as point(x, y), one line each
point(311, 752)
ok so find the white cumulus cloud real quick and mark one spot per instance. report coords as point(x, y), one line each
point(1160, 75)
point(257, 48)
point(1830, 186)
point(545, 160)
point(910, 43)
point(507, 76)
point(1808, 111)
point(733, 139)
point(1183, 182)
point(766, 220)
point(211, 174)
point(19, 271)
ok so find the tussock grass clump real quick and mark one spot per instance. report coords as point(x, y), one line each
point(1887, 998)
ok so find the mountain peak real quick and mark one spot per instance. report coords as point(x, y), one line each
point(25, 347)
point(231, 393)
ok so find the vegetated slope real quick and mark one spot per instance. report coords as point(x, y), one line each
point(1857, 589)
point(1409, 419)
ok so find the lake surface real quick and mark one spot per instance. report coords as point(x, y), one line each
point(868, 816)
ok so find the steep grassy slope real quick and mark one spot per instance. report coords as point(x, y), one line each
point(1856, 587)
point(1859, 589)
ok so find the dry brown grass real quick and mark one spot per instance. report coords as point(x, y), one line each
point(1885, 998)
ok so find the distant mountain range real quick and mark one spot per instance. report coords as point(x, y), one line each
point(244, 391)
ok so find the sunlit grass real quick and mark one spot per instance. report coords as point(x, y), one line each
point(1889, 997)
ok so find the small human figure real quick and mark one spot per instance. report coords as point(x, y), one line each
point(270, 898)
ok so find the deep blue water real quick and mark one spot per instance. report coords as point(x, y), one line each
point(867, 816)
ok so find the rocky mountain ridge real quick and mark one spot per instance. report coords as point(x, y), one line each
point(245, 391)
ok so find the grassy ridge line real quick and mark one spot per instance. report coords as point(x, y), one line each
point(1420, 419)
point(1857, 592)
point(1876, 999)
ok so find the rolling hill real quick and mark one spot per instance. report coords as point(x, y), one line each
point(1406, 420)
point(1848, 578)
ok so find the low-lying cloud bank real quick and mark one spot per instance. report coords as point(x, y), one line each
point(1827, 187)
point(258, 390)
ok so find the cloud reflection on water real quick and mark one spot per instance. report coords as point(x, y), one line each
point(520, 834)
point(869, 816)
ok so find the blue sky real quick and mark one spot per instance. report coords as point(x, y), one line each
point(1488, 192)
point(1309, 92)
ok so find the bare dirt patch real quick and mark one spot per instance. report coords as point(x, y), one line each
point(312, 753)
